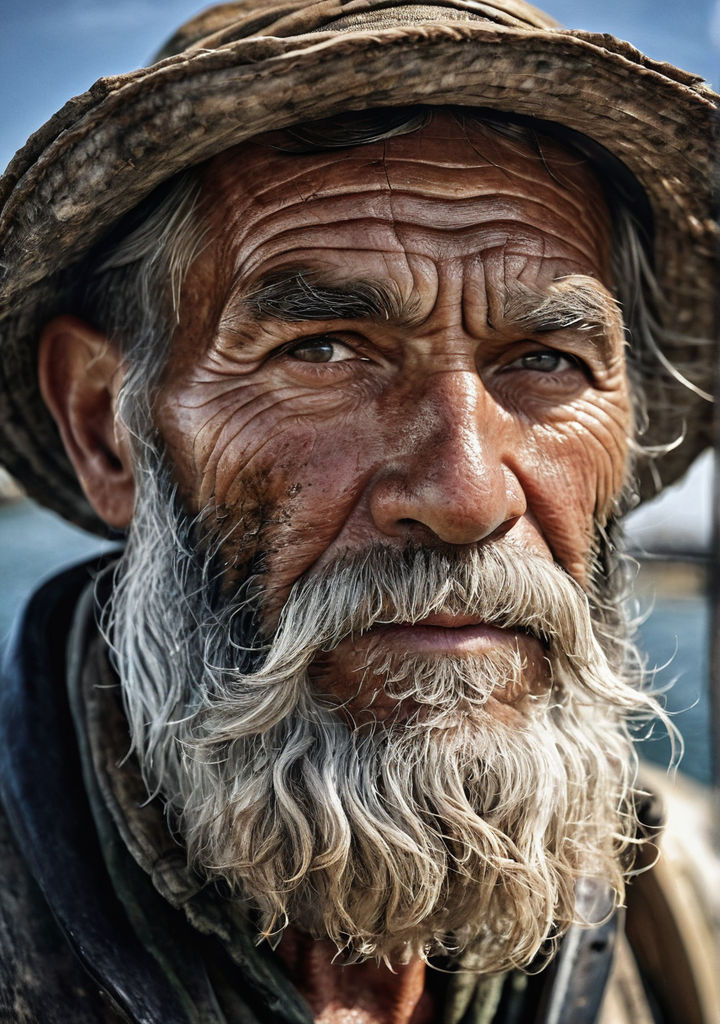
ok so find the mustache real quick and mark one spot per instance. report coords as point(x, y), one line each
point(497, 583)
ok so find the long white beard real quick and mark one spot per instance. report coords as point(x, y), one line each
point(408, 839)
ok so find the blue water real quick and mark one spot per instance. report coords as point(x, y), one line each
point(676, 637)
point(35, 543)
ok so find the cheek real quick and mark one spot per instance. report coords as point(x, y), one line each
point(283, 468)
point(221, 433)
point(574, 469)
point(322, 475)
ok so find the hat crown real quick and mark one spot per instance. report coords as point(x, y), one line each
point(229, 22)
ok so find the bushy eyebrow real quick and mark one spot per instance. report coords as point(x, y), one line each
point(298, 294)
point(575, 302)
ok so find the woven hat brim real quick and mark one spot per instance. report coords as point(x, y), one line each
point(108, 149)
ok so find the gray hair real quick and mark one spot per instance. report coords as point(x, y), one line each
point(399, 838)
point(130, 288)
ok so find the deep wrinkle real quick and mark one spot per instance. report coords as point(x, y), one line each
point(297, 294)
point(438, 408)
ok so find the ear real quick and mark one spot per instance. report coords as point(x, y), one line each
point(80, 374)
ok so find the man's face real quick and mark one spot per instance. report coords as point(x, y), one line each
point(408, 341)
point(397, 404)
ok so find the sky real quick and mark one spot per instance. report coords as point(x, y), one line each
point(51, 50)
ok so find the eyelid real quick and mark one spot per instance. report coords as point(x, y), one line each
point(339, 339)
point(333, 338)
point(533, 347)
point(581, 348)
point(547, 350)
point(304, 339)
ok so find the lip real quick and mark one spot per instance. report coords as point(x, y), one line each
point(443, 633)
point(438, 635)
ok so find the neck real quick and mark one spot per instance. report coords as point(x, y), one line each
point(365, 993)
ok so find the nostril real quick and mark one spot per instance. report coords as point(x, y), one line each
point(503, 528)
point(414, 530)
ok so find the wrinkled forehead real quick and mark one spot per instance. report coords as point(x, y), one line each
point(433, 187)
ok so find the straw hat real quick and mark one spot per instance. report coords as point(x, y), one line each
point(244, 68)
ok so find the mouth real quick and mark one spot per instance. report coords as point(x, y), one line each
point(342, 672)
point(445, 633)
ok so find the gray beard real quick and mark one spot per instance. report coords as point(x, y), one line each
point(413, 838)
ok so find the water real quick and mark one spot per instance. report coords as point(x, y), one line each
point(34, 543)
point(676, 637)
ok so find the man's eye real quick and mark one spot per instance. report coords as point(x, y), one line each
point(321, 350)
point(546, 361)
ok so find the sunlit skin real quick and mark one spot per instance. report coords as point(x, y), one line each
point(453, 421)
point(449, 426)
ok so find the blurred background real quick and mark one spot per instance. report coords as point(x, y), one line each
point(51, 50)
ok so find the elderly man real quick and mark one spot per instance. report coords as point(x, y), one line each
point(364, 322)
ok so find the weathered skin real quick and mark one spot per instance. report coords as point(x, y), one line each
point(431, 428)
point(448, 425)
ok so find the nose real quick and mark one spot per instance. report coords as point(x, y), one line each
point(450, 479)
